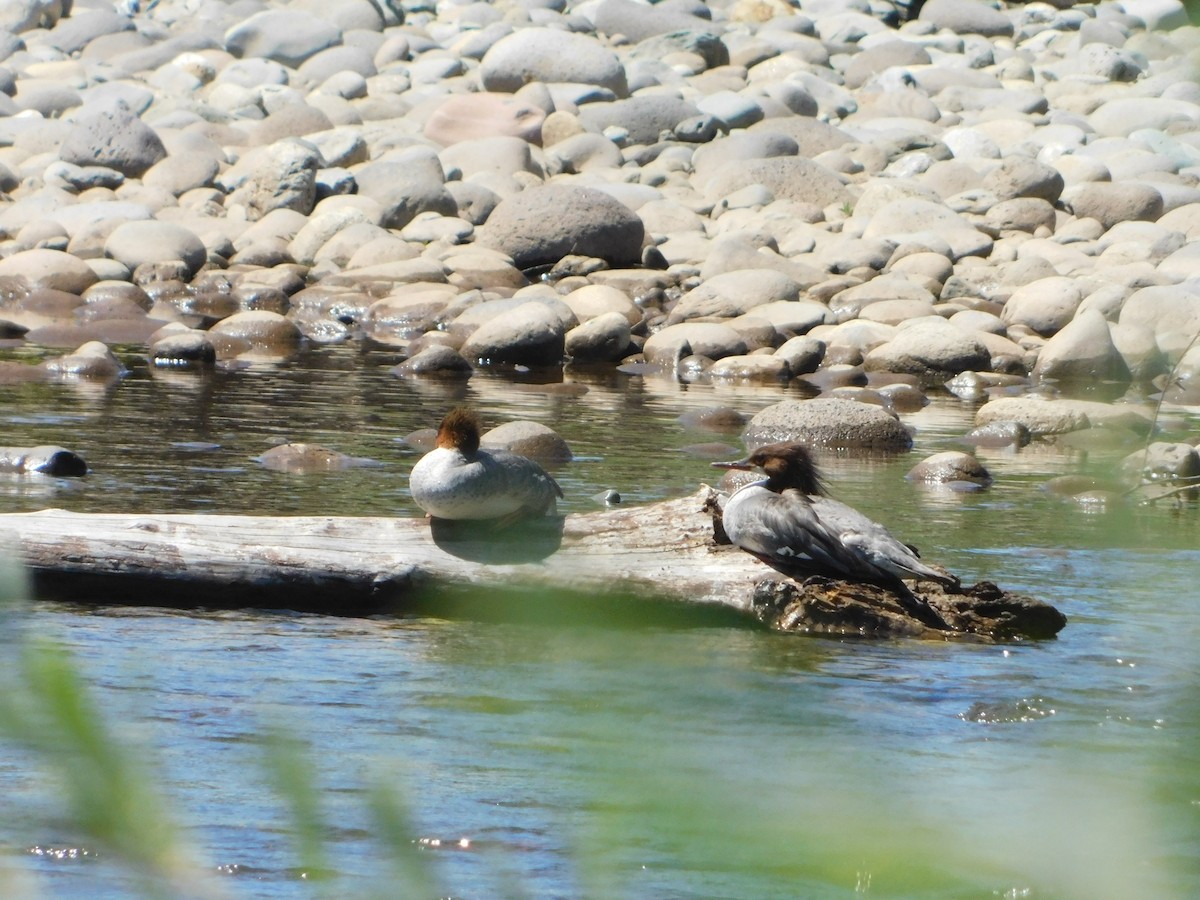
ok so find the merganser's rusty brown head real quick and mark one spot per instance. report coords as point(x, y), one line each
point(787, 464)
point(459, 431)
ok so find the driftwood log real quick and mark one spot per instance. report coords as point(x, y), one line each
point(595, 563)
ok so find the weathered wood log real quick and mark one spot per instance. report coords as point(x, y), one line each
point(662, 552)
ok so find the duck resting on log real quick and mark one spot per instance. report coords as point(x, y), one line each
point(669, 560)
point(788, 521)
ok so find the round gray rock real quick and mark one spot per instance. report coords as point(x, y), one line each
point(541, 225)
point(1112, 203)
point(532, 440)
point(829, 422)
point(603, 338)
point(966, 17)
point(931, 347)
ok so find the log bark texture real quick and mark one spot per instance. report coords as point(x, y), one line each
point(662, 552)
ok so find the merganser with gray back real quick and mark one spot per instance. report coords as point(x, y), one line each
point(787, 521)
point(458, 480)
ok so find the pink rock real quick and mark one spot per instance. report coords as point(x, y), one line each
point(466, 116)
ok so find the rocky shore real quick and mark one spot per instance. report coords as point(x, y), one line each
point(874, 198)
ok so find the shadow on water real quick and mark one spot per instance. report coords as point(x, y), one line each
point(497, 542)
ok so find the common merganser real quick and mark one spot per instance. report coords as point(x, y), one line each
point(457, 480)
point(788, 522)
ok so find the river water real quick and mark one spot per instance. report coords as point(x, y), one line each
point(590, 757)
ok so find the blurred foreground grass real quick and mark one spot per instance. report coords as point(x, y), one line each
point(114, 805)
point(692, 797)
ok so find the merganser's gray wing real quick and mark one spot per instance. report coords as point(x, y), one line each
point(873, 545)
point(784, 531)
point(802, 535)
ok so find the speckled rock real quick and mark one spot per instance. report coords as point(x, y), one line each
point(1039, 416)
point(828, 422)
point(112, 136)
point(1111, 203)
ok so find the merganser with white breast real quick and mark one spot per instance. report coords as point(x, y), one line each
point(788, 522)
point(458, 480)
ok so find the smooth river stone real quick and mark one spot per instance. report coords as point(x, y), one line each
point(787, 178)
point(643, 118)
point(966, 17)
point(639, 21)
point(50, 269)
point(733, 294)
point(530, 335)
point(1083, 349)
point(550, 55)
point(135, 243)
point(1044, 306)
point(288, 36)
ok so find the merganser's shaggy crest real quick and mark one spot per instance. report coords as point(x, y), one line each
point(788, 522)
point(457, 480)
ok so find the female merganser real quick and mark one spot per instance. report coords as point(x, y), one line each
point(457, 480)
point(788, 522)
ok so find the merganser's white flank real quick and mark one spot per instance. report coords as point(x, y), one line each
point(788, 522)
point(457, 480)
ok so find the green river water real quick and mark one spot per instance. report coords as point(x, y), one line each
point(583, 756)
